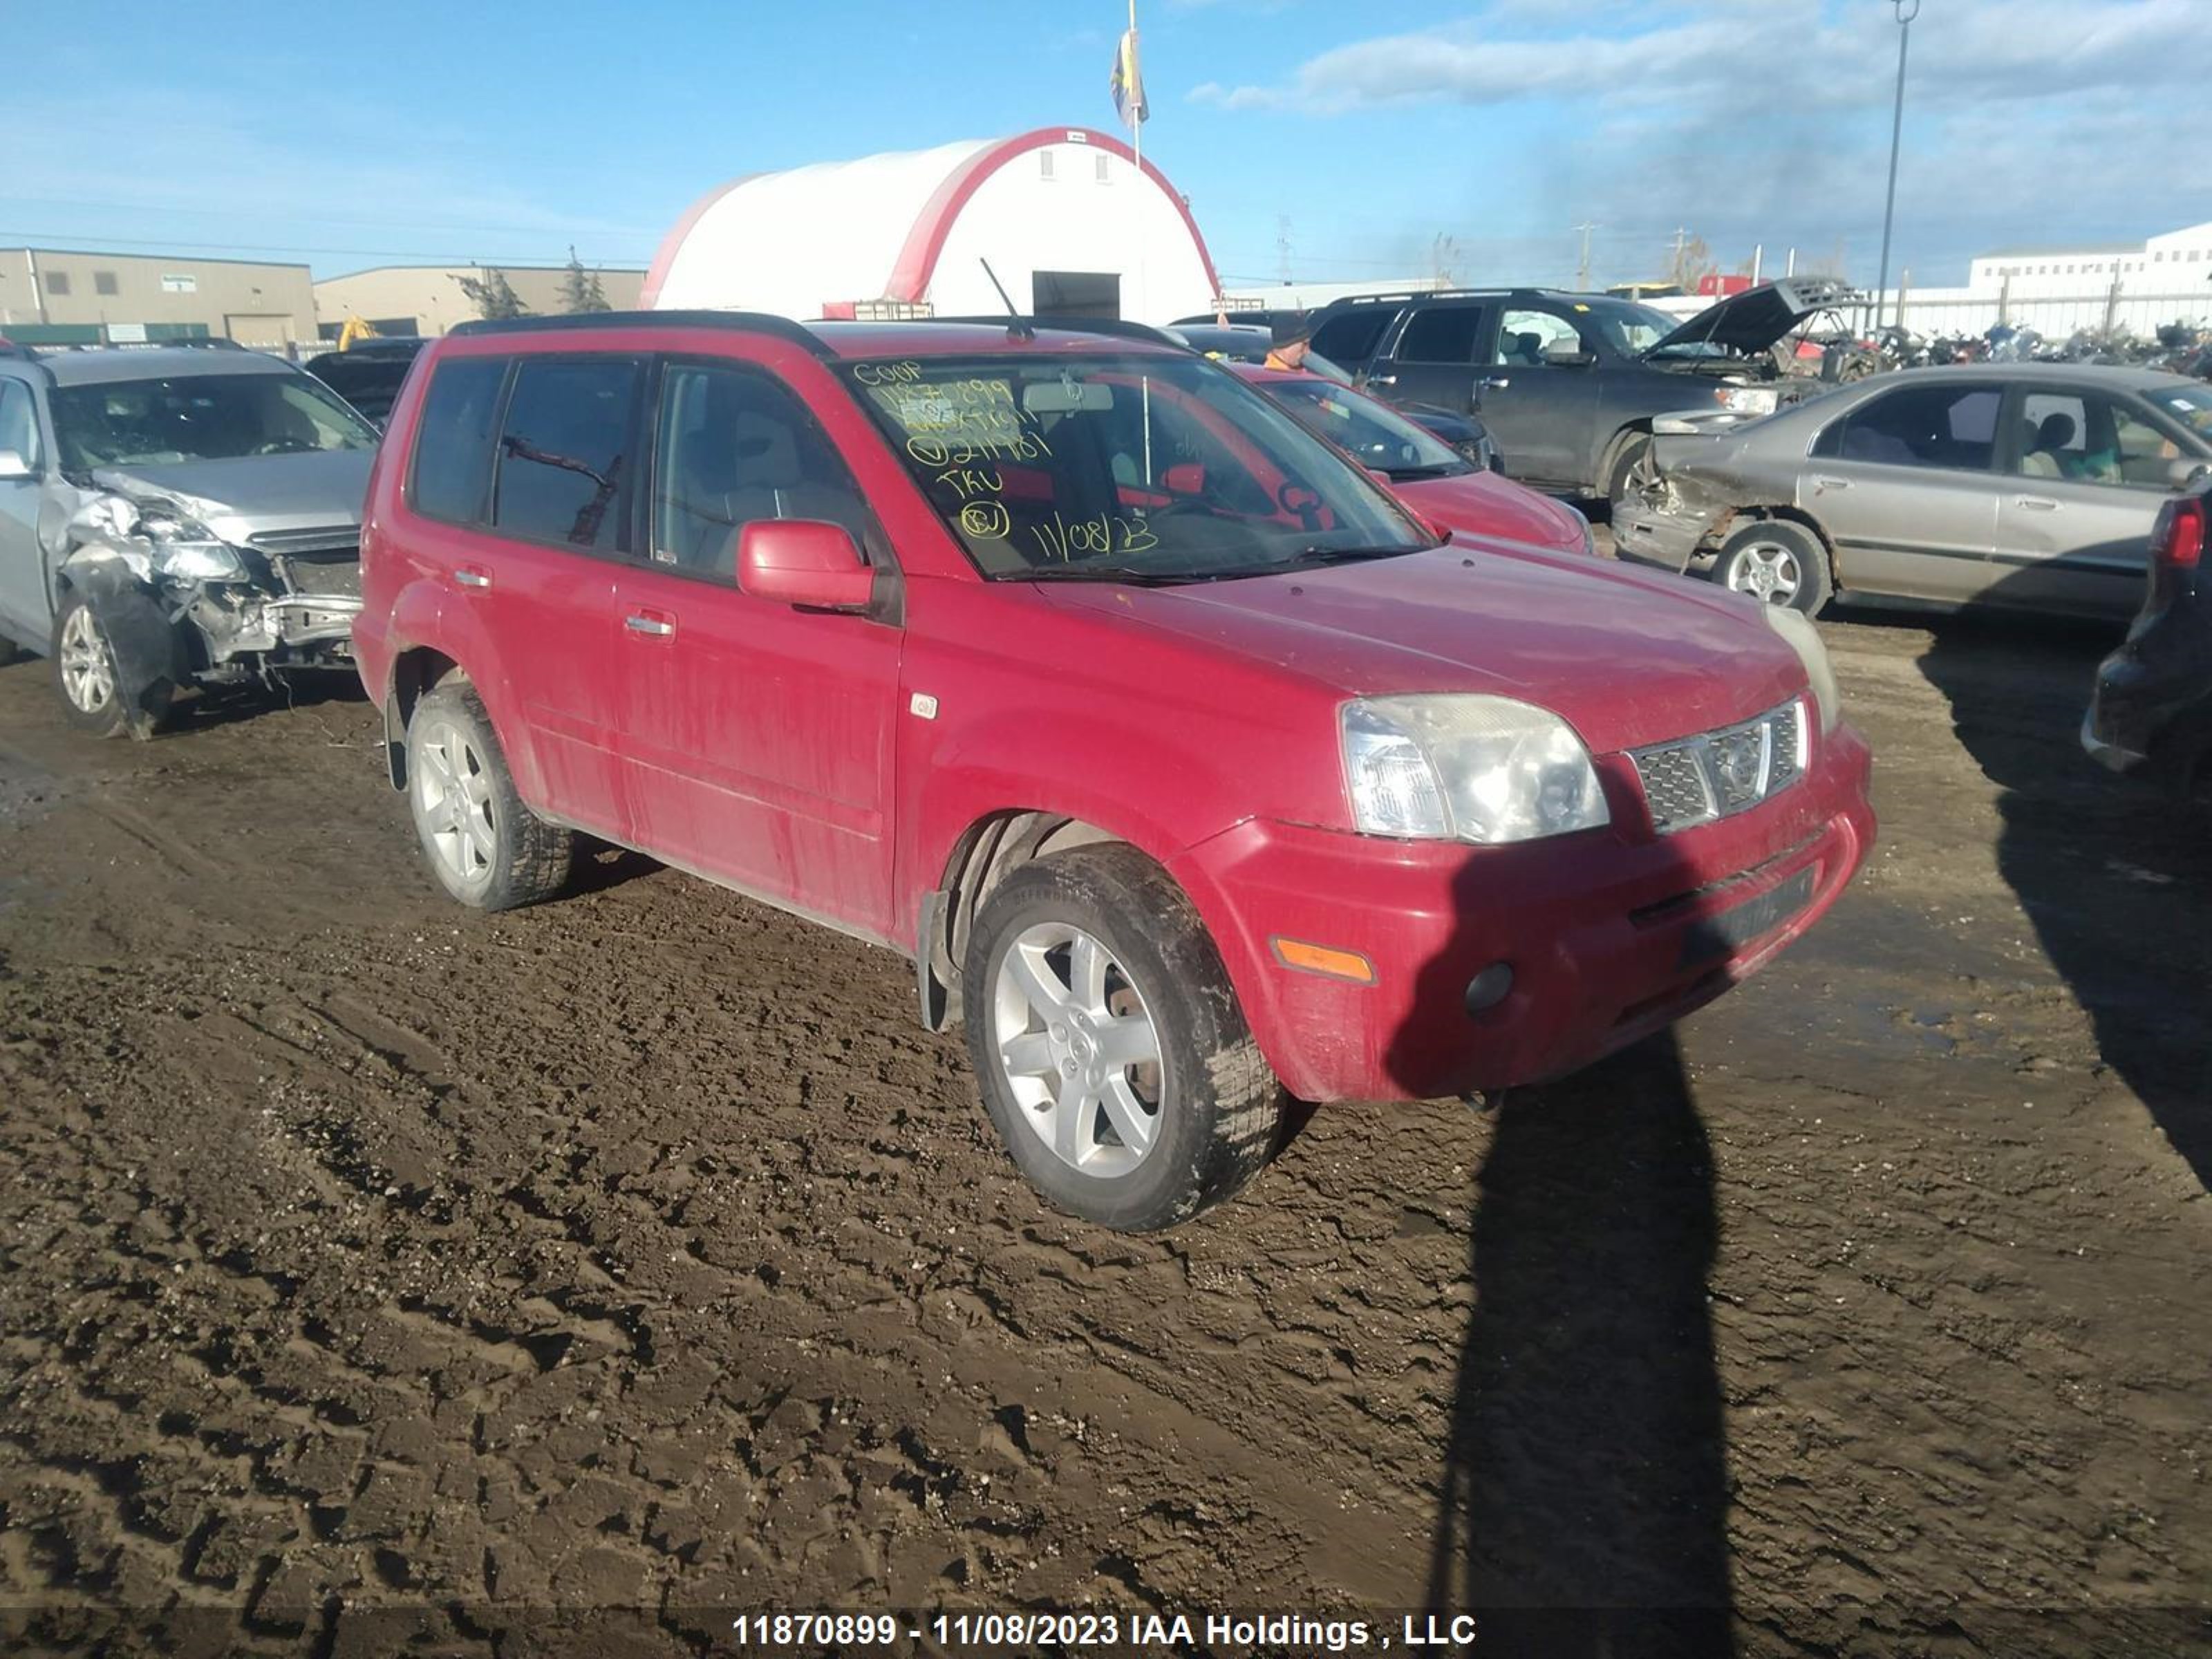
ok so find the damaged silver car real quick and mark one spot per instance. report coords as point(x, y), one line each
point(2025, 486)
point(174, 516)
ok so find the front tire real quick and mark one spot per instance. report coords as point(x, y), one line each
point(1635, 451)
point(1776, 563)
point(90, 682)
point(1109, 1045)
point(487, 848)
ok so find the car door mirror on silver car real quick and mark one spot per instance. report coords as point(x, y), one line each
point(14, 466)
point(2180, 475)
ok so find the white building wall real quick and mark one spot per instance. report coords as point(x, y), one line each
point(1094, 212)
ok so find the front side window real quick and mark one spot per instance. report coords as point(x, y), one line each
point(737, 448)
point(1529, 338)
point(2091, 439)
point(454, 439)
point(1441, 334)
point(1374, 433)
point(201, 417)
point(564, 456)
point(1144, 467)
point(1949, 427)
point(19, 422)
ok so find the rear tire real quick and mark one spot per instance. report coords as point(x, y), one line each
point(487, 848)
point(1109, 1045)
point(1777, 562)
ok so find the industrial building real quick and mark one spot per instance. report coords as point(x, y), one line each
point(430, 299)
point(65, 296)
point(1069, 220)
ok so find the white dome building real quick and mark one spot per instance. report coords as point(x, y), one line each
point(1070, 222)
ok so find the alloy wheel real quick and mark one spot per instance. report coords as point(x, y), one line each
point(1767, 571)
point(452, 797)
point(87, 666)
point(1079, 1049)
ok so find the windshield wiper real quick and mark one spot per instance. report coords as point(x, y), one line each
point(1109, 573)
point(1435, 470)
point(1306, 555)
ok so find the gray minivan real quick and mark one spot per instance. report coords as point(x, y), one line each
point(2029, 485)
point(174, 515)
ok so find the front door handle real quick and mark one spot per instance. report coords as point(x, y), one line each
point(1490, 381)
point(1830, 483)
point(1381, 379)
point(658, 627)
point(469, 576)
point(2036, 503)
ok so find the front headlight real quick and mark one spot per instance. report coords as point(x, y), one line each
point(1747, 399)
point(1466, 767)
point(1805, 640)
point(198, 561)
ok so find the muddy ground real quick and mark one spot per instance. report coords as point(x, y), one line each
point(372, 1270)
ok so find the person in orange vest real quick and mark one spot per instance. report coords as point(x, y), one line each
point(1290, 343)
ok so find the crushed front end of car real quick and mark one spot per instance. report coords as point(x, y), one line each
point(1673, 511)
point(186, 589)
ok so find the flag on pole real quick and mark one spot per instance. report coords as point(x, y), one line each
point(1126, 85)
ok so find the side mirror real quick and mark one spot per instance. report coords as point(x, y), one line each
point(2180, 475)
point(14, 466)
point(1564, 355)
point(803, 562)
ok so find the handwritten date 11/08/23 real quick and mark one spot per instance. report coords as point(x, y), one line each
point(1064, 539)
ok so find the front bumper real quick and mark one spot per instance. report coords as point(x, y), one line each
point(1609, 935)
point(1644, 532)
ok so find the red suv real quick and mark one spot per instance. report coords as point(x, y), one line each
point(1191, 770)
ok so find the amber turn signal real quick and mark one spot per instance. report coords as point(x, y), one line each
point(1320, 959)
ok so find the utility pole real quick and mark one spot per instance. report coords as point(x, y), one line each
point(1682, 240)
point(1906, 11)
point(1582, 270)
point(1282, 245)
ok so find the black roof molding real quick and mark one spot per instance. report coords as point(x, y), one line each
point(732, 322)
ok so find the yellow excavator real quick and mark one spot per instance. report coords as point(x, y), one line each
point(356, 328)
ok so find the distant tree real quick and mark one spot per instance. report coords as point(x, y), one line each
point(579, 288)
point(492, 294)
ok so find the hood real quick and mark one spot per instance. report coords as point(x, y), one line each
point(1752, 321)
point(1486, 506)
point(1626, 657)
point(250, 496)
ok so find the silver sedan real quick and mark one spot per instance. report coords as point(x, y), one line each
point(2030, 485)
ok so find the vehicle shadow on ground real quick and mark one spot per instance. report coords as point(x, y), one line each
point(1583, 1505)
point(210, 707)
point(2113, 872)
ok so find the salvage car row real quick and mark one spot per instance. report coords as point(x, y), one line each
point(1196, 761)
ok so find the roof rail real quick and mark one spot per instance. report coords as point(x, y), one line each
point(1509, 291)
point(1115, 325)
point(736, 322)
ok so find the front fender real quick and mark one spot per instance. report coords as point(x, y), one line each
point(422, 619)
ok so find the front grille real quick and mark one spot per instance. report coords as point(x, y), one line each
point(324, 540)
point(1715, 775)
point(323, 577)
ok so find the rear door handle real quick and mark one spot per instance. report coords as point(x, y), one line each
point(469, 576)
point(1490, 381)
point(2036, 503)
point(645, 621)
point(1830, 483)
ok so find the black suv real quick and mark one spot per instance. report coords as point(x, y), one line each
point(1568, 383)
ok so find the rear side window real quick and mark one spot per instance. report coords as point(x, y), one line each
point(1441, 334)
point(1351, 337)
point(564, 460)
point(453, 441)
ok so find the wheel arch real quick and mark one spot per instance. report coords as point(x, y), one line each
point(415, 670)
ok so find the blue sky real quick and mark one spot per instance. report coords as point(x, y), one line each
point(352, 135)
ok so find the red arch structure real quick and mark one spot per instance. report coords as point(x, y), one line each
point(925, 241)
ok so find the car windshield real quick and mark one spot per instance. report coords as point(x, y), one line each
point(1376, 436)
point(1143, 467)
point(1628, 328)
point(2191, 406)
point(200, 417)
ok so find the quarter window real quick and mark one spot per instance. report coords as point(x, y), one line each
point(737, 448)
point(452, 445)
point(564, 457)
point(1951, 427)
point(1440, 334)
